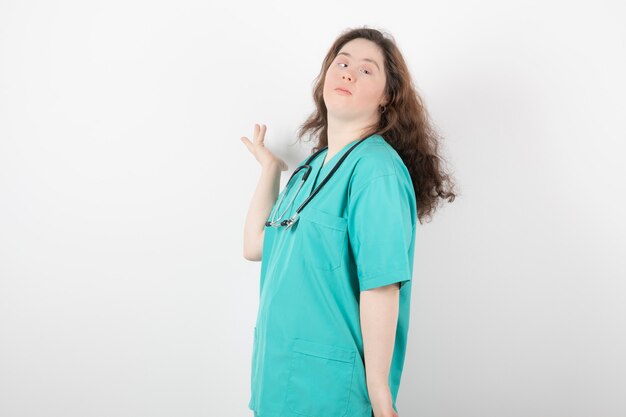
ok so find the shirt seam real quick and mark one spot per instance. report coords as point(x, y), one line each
point(376, 275)
point(356, 193)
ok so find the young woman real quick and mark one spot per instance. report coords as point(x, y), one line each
point(337, 244)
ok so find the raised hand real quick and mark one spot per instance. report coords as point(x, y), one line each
point(262, 154)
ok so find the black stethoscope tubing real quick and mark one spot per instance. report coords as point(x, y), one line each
point(320, 185)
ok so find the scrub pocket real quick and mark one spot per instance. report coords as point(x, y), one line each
point(323, 238)
point(320, 377)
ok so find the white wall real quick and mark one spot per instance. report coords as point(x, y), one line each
point(124, 188)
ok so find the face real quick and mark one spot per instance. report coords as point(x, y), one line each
point(359, 68)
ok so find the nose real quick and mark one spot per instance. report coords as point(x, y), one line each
point(346, 76)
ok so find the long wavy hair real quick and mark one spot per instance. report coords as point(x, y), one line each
point(405, 124)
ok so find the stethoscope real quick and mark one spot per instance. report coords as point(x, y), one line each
point(290, 221)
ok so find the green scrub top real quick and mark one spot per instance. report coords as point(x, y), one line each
point(356, 234)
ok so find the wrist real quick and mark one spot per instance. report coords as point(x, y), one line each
point(379, 393)
point(270, 166)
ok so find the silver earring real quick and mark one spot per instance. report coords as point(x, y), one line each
point(382, 109)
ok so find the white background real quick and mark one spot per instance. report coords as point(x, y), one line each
point(124, 188)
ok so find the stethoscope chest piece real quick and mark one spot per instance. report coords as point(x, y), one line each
point(290, 221)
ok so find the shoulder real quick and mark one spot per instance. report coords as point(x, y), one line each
point(375, 158)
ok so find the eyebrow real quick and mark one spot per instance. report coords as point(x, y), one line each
point(364, 59)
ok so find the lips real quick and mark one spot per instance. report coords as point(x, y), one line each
point(343, 90)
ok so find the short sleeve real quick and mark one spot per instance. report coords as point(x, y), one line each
point(381, 231)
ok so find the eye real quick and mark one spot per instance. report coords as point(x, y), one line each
point(366, 71)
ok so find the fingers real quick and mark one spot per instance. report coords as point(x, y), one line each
point(258, 137)
point(255, 134)
point(247, 142)
point(259, 133)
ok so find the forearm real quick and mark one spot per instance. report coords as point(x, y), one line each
point(261, 204)
point(379, 317)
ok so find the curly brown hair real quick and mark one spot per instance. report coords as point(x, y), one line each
point(405, 124)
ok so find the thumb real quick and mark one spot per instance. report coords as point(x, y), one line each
point(247, 142)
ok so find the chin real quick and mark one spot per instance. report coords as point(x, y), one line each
point(341, 112)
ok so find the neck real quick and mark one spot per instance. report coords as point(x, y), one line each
point(341, 132)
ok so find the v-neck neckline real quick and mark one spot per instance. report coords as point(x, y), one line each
point(324, 167)
point(337, 155)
